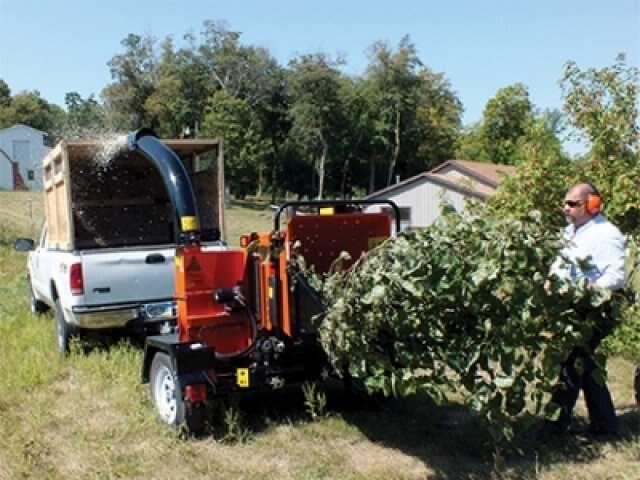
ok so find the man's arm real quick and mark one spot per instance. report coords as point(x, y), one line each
point(610, 260)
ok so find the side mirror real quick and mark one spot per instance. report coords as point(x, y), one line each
point(24, 244)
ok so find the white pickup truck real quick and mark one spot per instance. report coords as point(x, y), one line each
point(105, 257)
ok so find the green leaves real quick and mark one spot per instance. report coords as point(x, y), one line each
point(459, 307)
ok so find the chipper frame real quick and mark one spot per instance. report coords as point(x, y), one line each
point(246, 314)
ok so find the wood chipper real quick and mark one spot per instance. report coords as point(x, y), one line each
point(245, 314)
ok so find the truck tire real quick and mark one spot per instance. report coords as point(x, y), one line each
point(64, 331)
point(165, 391)
point(36, 306)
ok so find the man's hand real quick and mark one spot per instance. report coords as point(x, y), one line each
point(547, 334)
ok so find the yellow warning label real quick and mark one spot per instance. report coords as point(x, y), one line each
point(375, 241)
point(189, 224)
point(242, 377)
point(327, 211)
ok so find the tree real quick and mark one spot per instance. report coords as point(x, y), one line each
point(276, 125)
point(540, 182)
point(395, 86)
point(506, 119)
point(233, 120)
point(135, 74)
point(356, 148)
point(29, 108)
point(317, 110)
point(602, 105)
point(5, 94)
point(251, 75)
point(511, 130)
point(84, 117)
point(167, 102)
point(240, 70)
point(471, 145)
point(438, 119)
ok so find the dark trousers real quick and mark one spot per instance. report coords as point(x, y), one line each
point(578, 374)
point(636, 385)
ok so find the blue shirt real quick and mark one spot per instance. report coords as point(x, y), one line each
point(596, 251)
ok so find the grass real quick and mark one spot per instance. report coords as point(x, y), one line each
point(87, 416)
point(21, 214)
point(246, 219)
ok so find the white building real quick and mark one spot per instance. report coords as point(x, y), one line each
point(420, 197)
point(21, 151)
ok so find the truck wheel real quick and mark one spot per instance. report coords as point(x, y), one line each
point(165, 391)
point(64, 331)
point(36, 306)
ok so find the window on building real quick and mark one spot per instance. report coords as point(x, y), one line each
point(31, 175)
point(405, 217)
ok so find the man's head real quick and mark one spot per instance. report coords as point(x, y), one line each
point(581, 204)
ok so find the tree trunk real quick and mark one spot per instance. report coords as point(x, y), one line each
point(261, 169)
point(321, 163)
point(372, 175)
point(396, 149)
point(274, 173)
point(344, 183)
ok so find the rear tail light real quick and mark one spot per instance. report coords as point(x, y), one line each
point(76, 283)
point(196, 392)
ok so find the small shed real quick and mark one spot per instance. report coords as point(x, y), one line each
point(21, 151)
point(420, 197)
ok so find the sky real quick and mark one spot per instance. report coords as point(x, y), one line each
point(481, 46)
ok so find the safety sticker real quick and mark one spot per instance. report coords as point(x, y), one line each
point(242, 377)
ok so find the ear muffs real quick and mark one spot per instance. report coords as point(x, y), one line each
point(593, 206)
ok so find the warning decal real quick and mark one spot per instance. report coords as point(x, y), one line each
point(194, 265)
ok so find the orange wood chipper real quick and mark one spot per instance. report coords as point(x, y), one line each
point(246, 314)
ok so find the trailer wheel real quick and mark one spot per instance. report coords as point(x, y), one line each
point(165, 392)
point(36, 306)
point(64, 331)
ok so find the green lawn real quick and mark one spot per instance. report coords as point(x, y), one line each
point(89, 417)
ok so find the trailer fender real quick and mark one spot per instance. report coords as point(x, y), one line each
point(186, 357)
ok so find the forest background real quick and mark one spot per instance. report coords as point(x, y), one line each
point(305, 128)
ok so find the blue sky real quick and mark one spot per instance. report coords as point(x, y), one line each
point(58, 46)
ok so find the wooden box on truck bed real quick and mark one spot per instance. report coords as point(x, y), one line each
point(102, 194)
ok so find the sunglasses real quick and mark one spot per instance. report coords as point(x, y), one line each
point(573, 203)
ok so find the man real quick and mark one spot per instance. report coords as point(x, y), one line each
point(596, 252)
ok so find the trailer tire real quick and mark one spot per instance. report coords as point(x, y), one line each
point(165, 390)
point(64, 331)
point(36, 306)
